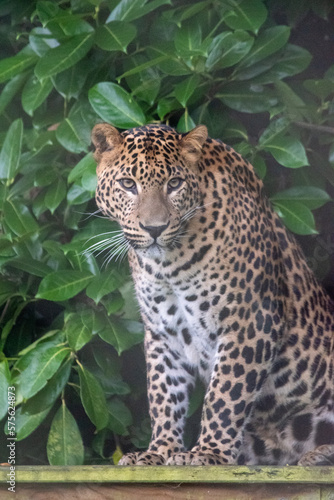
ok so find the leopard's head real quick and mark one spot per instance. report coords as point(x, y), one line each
point(148, 181)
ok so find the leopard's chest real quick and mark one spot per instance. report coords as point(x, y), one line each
point(173, 313)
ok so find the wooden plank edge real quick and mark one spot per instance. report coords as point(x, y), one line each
point(182, 474)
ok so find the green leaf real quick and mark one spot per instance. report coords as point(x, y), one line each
point(275, 128)
point(34, 93)
point(41, 40)
point(73, 133)
point(246, 15)
point(69, 83)
point(293, 61)
point(26, 423)
point(268, 42)
point(247, 98)
point(64, 56)
point(288, 151)
point(11, 89)
point(19, 219)
point(120, 417)
point(185, 123)
point(11, 151)
point(15, 65)
point(129, 10)
point(38, 366)
point(139, 68)
point(76, 332)
point(77, 195)
point(5, 383)
point(103, 284)
point(64, 445)
point(115, 35)
point(62, 285)
point(297, 217)
point(227, 49)
point(55, 194)
point(122, 334)
point(185, 89)
point(93, 398)
point(312, 197)
point(31, 266)
point(50, 392)
point(320, 88)
point(115, 105)
point(188, 40)
point(86, 164)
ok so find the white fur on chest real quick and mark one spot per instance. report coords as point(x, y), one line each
point(186, 320)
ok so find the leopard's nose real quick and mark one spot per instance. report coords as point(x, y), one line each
point(154, 231)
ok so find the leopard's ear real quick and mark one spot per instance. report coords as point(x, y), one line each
point(105, 137)
point(191, 143)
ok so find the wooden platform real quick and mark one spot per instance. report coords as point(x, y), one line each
point(179, 483)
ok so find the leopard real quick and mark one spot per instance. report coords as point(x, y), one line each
point(225, 295)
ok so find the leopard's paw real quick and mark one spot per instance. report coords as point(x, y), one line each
point(142, 458)
point(196, 458)
point(323, 455)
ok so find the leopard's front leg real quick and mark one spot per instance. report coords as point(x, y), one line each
point(169, 381)
point(238, 375)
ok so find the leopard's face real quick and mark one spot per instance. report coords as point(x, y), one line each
point(148, 183)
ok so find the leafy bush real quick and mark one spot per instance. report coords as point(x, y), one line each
point(71, 332)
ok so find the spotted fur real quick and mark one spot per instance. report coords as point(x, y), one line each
point(226, 295)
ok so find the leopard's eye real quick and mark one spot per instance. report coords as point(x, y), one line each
point(174, 184)
point(128, 184)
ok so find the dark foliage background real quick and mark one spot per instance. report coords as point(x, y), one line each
point(259, 74)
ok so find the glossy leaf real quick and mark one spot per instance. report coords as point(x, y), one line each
point(122, 334)
point(73, 135)
point(102, 285)
point(312, 197)
point(228, 48)
point(11, 151)
point(288, 151)
point(50, 392)
point(115, 35)
point(15, 65)
point(55, 195)
point(19, 219)
point(11, 89)
point(41, 40)
point(64, 445)
point(34, 93)
point(188, 40)
point(31, 266)
point(69, 83)
point(119, 416)
point(86, 164)
point(185, 89)
point(297, 217)
point(114, 105)
point(293, 61)
point(5, 383)
point(276, 128)
point(38, 366)
point(129, 10)
point(247, 98)
point(26, 423)
point(76, 332)
point(267, 43)
point(185, 123)
point(62, 285)
point(93, 398)
point(246, 15)
point(64, 56)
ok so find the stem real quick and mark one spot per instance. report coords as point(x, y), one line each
point(312, 126)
